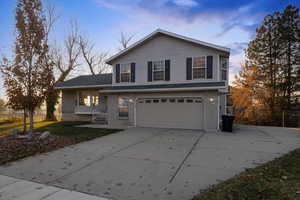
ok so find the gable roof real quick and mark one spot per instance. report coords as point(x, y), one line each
point(86, 81)
point(170, 34)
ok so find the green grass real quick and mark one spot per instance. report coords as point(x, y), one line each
point(277, 179)
point(6, 126)
point(70, 130)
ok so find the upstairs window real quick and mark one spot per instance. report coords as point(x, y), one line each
point(158, 70)
point(125, 73)
point(224, 67)
point(199, 67)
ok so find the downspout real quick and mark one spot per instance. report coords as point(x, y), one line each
point(134, 108)
point(218, 113)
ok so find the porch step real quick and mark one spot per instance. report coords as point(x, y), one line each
point(100, 120)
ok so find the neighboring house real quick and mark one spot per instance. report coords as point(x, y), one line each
point(164, 80)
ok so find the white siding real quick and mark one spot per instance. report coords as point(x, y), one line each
point(210, 109)
point(161, 48)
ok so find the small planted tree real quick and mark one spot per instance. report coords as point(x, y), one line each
point(2, 105)
point(28, 77)
point(14, 91)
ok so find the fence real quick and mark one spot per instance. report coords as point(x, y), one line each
point(290, 118)
point(12, 115)
point(285, 118)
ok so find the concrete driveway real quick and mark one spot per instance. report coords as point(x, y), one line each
point(149, 163)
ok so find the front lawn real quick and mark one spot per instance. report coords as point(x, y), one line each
point(78, 134)
point(62, 134)
point(6, 126)
point(277, 179)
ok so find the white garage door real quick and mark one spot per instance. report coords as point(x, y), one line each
point(171, 112)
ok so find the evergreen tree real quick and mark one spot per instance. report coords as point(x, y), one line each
point(264, 53)
point(276, 53)
point(289, 25)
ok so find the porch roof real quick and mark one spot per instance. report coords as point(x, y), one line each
point(166, 87)
point(86, 81)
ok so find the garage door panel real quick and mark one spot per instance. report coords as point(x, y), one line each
point(170, 115)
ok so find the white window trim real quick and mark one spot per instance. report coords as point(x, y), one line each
point(91, 95)
point(205, 72)
point(121, 65)
point(225, 104)
point(224, 68)
point(122, 117)
point(164, 63)
point(219, 69)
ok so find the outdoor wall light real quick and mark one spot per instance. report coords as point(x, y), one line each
point(211, 100)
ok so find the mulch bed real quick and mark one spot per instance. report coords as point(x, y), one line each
point(12, 148)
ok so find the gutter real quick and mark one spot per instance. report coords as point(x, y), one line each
point(162, 90)
point(83, 86)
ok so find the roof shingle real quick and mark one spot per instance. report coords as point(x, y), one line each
point(86, 81)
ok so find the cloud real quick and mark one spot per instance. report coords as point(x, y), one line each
point(237, 48)
point(228, 26)
point(242, 14)
point(188, 3)
point(217, 21)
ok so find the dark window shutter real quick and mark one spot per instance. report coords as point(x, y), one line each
point(132, 72)
point(209, 71)
point(188, 68)
point(117, 73)
point(167, 70)
point(149, 71)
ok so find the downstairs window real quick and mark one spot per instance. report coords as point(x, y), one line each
point(123, 106)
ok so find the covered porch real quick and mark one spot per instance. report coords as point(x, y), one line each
point(91, 103)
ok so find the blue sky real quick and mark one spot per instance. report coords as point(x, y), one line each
point(225, 22)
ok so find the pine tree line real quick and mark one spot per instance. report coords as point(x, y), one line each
point(272, 70)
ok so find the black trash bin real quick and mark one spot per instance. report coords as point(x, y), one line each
point(227, 123)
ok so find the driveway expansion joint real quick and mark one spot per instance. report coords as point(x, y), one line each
point(186, 157)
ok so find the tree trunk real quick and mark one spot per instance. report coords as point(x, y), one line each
point(31, 126)
point(25, 121)
point(289, 82)
point(51, 102)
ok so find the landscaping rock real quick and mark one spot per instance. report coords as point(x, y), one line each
point(37, 133)
point(44, 135)
point(26, 137)
point(14, 132)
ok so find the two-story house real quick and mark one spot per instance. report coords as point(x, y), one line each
point(164, 80)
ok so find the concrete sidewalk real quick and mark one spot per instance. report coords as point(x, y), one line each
point(16, 189)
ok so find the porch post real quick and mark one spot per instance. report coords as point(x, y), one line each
point(77, 96)
point(134, 108)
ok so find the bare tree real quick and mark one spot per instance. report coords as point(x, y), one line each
point(51, 17)
point(125, 40)
point(65, 60)
point(95, 61)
